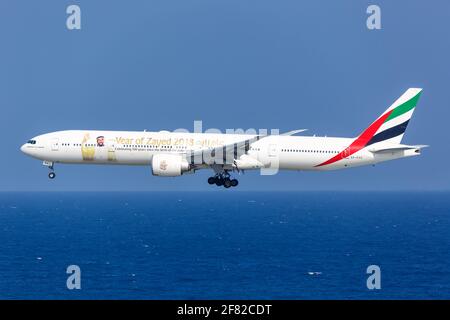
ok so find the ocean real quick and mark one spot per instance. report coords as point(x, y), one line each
point(225, 245)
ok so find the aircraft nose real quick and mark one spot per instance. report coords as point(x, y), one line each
point(23, 148)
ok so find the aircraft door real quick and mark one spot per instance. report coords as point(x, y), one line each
point(271, 157)
point(273, 150)
point(55, 144)
point(105, 150)
point(111, 151)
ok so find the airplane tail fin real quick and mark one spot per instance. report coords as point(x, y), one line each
point(389, 128)
point(391, 125)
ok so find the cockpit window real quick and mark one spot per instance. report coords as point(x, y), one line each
point(31, 141)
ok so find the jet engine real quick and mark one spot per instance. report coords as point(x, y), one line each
point(169, 165)
point(246, 162)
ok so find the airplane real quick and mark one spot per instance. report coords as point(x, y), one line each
point(171, 154)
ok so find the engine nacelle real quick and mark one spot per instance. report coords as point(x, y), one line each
point(169, 165)
point(246, 162)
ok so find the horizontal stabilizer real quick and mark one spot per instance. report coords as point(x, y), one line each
point(399, 147)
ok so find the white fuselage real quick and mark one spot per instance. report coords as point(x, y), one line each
point(139, 148)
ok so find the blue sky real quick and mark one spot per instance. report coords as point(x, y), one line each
point(156, 65)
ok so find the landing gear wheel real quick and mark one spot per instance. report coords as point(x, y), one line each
point(52, 175)
point(211, 180)
point(219, 182)
point(227, 183)
point(234, 182)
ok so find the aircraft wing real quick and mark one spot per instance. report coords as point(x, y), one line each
point(291, 133)
point(225, 154)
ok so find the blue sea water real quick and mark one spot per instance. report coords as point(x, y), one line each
point(221, 245)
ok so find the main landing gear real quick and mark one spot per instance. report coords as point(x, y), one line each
point(223, 179)
point(52, 173)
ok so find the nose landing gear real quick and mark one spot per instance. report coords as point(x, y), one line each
point(52, 173)
point(223, 179)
